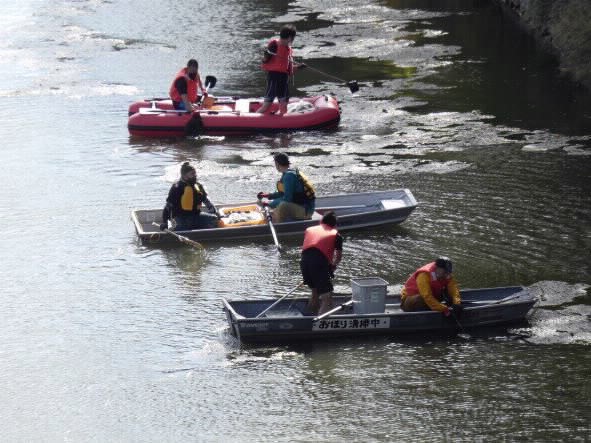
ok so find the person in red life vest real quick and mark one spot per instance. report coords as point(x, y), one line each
point(183, 90)
point(279, 64)
point(184, 203)
point(429, 286)
point(321, 253)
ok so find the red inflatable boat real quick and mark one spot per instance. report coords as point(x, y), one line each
point(228, 115)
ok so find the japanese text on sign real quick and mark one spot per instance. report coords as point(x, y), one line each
point(351, 323)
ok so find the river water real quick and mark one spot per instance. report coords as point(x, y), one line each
point(105, 340)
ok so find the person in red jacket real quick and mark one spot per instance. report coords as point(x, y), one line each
point(321, 253)
point(279, 64)
point(429, 286)
point(183, 90)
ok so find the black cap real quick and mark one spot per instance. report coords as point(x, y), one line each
point(444, 263)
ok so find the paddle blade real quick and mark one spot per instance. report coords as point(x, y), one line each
point(210, 81)
point(353, 86)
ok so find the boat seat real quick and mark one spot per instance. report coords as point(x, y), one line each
point(242, 105)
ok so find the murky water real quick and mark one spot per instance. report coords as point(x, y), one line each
point(105, 340)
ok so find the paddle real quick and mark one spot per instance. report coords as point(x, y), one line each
point(181, 238)
point(275, 303)
point(210, 81)
point(270, 221)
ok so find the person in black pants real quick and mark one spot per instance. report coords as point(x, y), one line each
point(321, 253)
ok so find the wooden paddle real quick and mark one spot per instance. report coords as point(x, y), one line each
point(181, 238)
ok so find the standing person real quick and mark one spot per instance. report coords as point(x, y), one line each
point(184, 203)
point(279, 64)
point(183, 90)
point(295, 198)
point(321, 253)
point(429, 286)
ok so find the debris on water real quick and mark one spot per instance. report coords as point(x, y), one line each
point(562, 314)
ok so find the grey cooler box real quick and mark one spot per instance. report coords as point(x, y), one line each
point(369, 295)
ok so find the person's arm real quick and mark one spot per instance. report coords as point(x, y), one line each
point(167, 212)
point(424, 285)
point(200, 86)
point(289, 184)
point(338, 251)
point(181, 86)
point(454, 291)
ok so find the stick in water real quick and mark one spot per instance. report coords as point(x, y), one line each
point(182, 238)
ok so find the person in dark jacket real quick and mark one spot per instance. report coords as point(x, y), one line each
point(185, 201)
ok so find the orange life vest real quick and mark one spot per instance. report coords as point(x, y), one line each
point(281, 61)
point(437, 286)
point(321, 237)
point(191, 87)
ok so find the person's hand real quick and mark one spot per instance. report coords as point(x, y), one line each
point(457, 310)
point(264, 204)
point(261, 195)
point(163, 226)
point(205, 94)
point(331, 270)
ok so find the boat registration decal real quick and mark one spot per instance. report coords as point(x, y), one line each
point(351, 323)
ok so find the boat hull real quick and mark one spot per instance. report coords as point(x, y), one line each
point(287, 321)
point(354, 211)
point(231, 116)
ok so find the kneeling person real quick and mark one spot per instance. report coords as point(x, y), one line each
point(431, 285)
point(184, 203)
point(321, 253)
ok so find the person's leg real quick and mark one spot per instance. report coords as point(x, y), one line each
point(183, 223)
point(310, 263)
point(270, 93)
point(287, 211)
point(282, 91)
point(205, 221)
point(414, 303)
point(313, 302)
point(325, 302)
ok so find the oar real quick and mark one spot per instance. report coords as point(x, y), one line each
point(352, 84)
point(332, 311)
point(269, 220)
point(286, 295)
point(181, 238)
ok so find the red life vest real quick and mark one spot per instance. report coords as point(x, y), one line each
point(281, 61)
point(437, 286)
point(321, 237)
point(191, 87)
